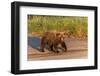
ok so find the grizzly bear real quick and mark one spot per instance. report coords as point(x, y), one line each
point(53, 39)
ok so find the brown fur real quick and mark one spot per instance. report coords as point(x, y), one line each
point(53, 39)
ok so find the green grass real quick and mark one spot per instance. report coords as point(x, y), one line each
point(76, 25)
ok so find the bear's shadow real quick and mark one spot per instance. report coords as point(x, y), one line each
point(34, 42)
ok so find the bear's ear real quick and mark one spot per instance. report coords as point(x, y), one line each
point(57, 34)
point(65, 33)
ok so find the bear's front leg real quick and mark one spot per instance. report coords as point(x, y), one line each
point(51, 48)
point(63, 44)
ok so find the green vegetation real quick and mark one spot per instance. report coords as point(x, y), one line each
point(77, 26)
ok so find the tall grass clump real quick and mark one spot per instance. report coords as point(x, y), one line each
point(77, 26)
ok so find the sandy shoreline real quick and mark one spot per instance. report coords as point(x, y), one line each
point(77, 49)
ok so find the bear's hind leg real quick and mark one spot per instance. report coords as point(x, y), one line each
point(56, 49)
point(42, 48)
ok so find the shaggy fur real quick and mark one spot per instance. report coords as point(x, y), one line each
point(53, 39)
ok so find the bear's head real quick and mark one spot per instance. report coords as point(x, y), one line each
point(61, 36)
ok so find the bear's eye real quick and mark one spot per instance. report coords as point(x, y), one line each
point(65, 33)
